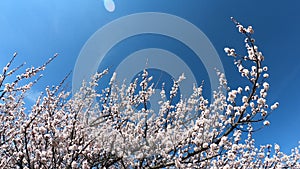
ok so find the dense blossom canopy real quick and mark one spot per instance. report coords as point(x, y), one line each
point(118, 129)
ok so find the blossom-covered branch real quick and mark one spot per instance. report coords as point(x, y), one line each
point(117, 128)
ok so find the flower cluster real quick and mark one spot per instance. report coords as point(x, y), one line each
point(118, 129)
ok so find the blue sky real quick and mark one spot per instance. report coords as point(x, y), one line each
point(37, 29)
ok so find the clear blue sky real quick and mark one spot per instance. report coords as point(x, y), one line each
point(37, 29)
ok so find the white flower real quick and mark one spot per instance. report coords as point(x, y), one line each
point(240, 90)
point(274, 106)
point(113, 78)
point(74, 164)
point(247, 88)
point(213, 146)
point(73, 147)
point(42, 129)
point(266, 85)
point(241, 28)
point(85, 165)
point(250, 30)
point(265, 68)
point(261, 155)
point(205, 145)
point(227, 50)
point(230, 52)
point(244, 99)
point(181, 77)
point(277, 147)
point(231, 156)
point(266, 123)
point(266, 75)
point(261, 101)
point(245, 72)
point(5, 69)
point(150, 78)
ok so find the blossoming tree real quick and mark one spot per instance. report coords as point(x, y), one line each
point(118, 129)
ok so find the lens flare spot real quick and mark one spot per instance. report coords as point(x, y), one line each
point(109, 5)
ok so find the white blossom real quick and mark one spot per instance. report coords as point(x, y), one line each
point(266, 123)
point(274, 106)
